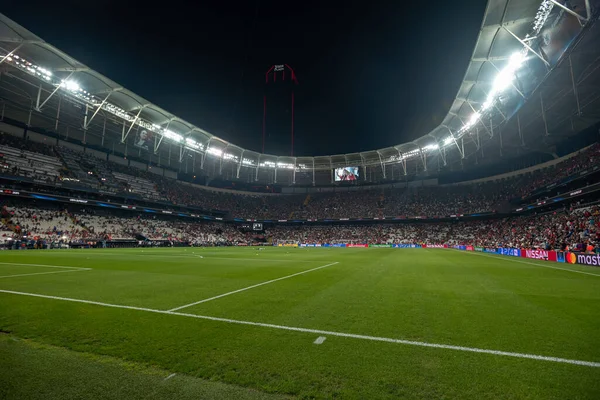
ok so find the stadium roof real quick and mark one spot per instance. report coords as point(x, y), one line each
point(508, 28)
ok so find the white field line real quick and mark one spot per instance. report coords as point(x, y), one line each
point(516, 259)
point(251, 287)
point(169, 377)
point(43, 265)
point(45, 273)
point(592, 364)
point(193, 255)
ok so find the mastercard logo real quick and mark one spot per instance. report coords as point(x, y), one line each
point(571, 258)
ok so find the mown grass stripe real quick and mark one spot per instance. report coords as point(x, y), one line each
point(592, 364)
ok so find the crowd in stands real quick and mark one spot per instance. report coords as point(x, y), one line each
point(53, 164)
point(573, 229)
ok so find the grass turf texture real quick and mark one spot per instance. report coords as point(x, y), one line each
point(434, 296)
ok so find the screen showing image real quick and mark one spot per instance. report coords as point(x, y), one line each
point(143, 139)
point(346, 174)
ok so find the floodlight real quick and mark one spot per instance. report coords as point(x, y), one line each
point(516, 60)
point(172, 135)
point(448, 140)
point(215, 151)
point(71, 85)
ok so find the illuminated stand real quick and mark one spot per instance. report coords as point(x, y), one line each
point(521, 44)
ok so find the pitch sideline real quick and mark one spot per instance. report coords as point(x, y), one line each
point(592, 364)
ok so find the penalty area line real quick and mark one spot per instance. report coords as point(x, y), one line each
point(592, 364)
point(250, 287)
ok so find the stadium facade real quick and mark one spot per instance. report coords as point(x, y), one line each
point(531, 81)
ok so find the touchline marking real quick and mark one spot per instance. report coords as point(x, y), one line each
point(530, 263)
point(251, 287)
point(45, 273)
point(592, 364)
point(44, 265)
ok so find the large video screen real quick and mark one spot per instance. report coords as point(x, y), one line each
point(346, 174)
point(143, 139)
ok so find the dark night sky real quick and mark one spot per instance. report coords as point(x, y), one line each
point(372, 74)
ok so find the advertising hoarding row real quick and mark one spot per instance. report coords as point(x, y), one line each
point(536, 254)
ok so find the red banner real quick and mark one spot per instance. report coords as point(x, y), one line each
point(470, 248)
point(357, 245)
point(547, 255)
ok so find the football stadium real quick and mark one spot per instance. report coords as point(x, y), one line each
point(143, 257)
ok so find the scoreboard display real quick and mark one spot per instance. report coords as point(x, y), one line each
point(252, 227)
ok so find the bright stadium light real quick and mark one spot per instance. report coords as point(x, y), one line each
point(507, 75)
point(431, 147)
point(448, 140)
point(172, 135)
point(472, 121)
point(214, 151)
point(71, 85)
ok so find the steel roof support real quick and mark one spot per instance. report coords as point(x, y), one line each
point(39, 106)
point(294, 173)
point(544, 114)
point(382, 165)
point(477, 142)
point(364, 165)
point(481, 121)
point(58, 116)
point(89, 121)
point(276, 163)
point(12, 52)
point(501, 144)
point(573, 13)
point(528, 47)
point(221, 161)
point(157, 141)
point(495, 106)
point(313, 159)
point(574, 86)
point(85, 117)
point(442, 152)
point(39, 93)
point(205, 151)
point(423, 157)
point(240, 165)
point(257, 168)
point(331, 168)
point(519, 128)
point(511, 83)
point(455, 142)
point(124, 135)
point(588, 9)
point(182, 152)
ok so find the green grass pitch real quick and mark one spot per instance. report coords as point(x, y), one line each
point(296, 323)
